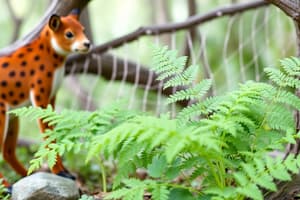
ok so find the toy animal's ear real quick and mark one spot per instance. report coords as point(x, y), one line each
point(54, 22)
point(75, 13)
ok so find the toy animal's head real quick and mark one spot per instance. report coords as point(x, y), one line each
point(67, 34)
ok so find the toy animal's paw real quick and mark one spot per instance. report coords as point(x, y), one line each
point(8, 190)
point(66, 174)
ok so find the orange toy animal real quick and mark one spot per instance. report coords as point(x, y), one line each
point(32, 74)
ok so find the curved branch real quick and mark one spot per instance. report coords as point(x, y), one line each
point(167, 28)
point(290, 7)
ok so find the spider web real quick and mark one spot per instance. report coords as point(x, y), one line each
point(229, 50)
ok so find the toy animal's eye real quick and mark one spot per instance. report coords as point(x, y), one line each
point(69, 35)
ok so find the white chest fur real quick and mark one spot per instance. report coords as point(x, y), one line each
point(57, 80)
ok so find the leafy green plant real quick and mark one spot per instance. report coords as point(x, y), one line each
point(216, 148)
point(3, 192)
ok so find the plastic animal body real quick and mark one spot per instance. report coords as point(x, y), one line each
point(32, 74)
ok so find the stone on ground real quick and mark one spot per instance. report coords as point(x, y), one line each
point(45, 186)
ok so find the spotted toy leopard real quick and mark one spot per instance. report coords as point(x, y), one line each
point(32, 74)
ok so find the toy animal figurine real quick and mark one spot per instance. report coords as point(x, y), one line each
point(32, 74)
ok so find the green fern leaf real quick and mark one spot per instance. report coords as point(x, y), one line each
point(282, 79)
point(252, 191)
point(182, 79)
point(277, 169)
point(266, 181)
point(291, 164)
point(291, 66)
point(52, 155)
point(160, 192)
point(241, 178)
point(196, 92)
point(157, 167)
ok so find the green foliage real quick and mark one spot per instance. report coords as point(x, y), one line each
point(3, 192)
point(217, 148)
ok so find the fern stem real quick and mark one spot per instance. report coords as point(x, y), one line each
point(221, 172)
point(215, 175)
point(103, 174)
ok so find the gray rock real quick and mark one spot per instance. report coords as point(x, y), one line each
point(45, 186)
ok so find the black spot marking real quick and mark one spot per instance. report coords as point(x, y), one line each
point(20, 55)
point(15, 102)
point(18, 84)
point(47, 33)
point(3, 96)
point(32, 85)
point(61, 59)
point(55, 65)
point(41, 46)
point(3, 83)
point(3, 112)
point(42, 67)
point(42, 90)
point(55, 56)
point(49, 74)
point(32, 72)
point(11, 93)
point(5, 64)
point(48, 49)
point(22, 73)
point(38, 97)
point(21, 95)
point(2, 104)
point(23, 63)
point(39, 81)
point(12, 73)
point(37, 57)
point(29, 49)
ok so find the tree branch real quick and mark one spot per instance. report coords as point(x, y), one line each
point(167, 28)
point(290, 7)
point(78, 64)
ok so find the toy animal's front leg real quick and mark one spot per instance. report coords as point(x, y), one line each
point(43, 101)
point(59, 168)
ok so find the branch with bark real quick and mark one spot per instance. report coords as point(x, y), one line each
point(290, 7)
point(185, 25)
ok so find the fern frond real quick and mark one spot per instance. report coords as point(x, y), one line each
point(160, 192)
point(291, 66)
point(196, 92)
point(281, 79)
point(280, 118)
point(166, 63)
point(181, 79)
